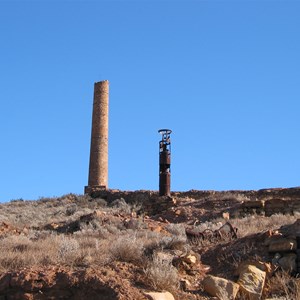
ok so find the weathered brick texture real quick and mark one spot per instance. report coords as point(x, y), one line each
point(98, 169)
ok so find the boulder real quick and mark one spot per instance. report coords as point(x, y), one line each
point(159, 296)
point(220, 287)
point(252, 281)
point(288, 262)
point(282, 245)
point(264, 266)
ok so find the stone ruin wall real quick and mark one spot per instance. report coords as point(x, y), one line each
point(266, 201)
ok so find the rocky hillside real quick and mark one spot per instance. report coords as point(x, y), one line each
point(137, 245)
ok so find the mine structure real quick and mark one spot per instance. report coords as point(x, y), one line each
point(98, 164)
point(98, 167)
point(165, 162)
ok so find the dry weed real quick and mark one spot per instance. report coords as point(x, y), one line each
point(121, 206)
point(255, 223)
point(67, 249)
point(48, 210)
point(161, 275)
point(21, 251)
point(128, 248)
point(176, 230)
point(283, 285)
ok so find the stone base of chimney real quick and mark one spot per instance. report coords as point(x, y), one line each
point(95, 188)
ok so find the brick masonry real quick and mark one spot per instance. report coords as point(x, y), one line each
point(98, 167)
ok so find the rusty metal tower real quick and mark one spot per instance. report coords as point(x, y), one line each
point(164, 162)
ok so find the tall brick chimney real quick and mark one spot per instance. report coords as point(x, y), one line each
point(98, 169)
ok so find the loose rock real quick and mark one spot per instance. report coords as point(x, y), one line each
point(252, 281)
point(220, 287)
point(288, 262)
point(159, 296)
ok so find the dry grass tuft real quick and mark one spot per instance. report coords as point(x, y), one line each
point(283, 285)
point(255, 223)
point(128, 248)
point(67, 249)
point(161, 275)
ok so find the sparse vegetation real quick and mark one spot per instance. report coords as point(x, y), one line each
point(282, 285)
point(255, 223)
point(161, 275)
point(79, 232)
point(128, 248)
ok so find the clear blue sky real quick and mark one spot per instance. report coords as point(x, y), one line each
point(223, 75)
